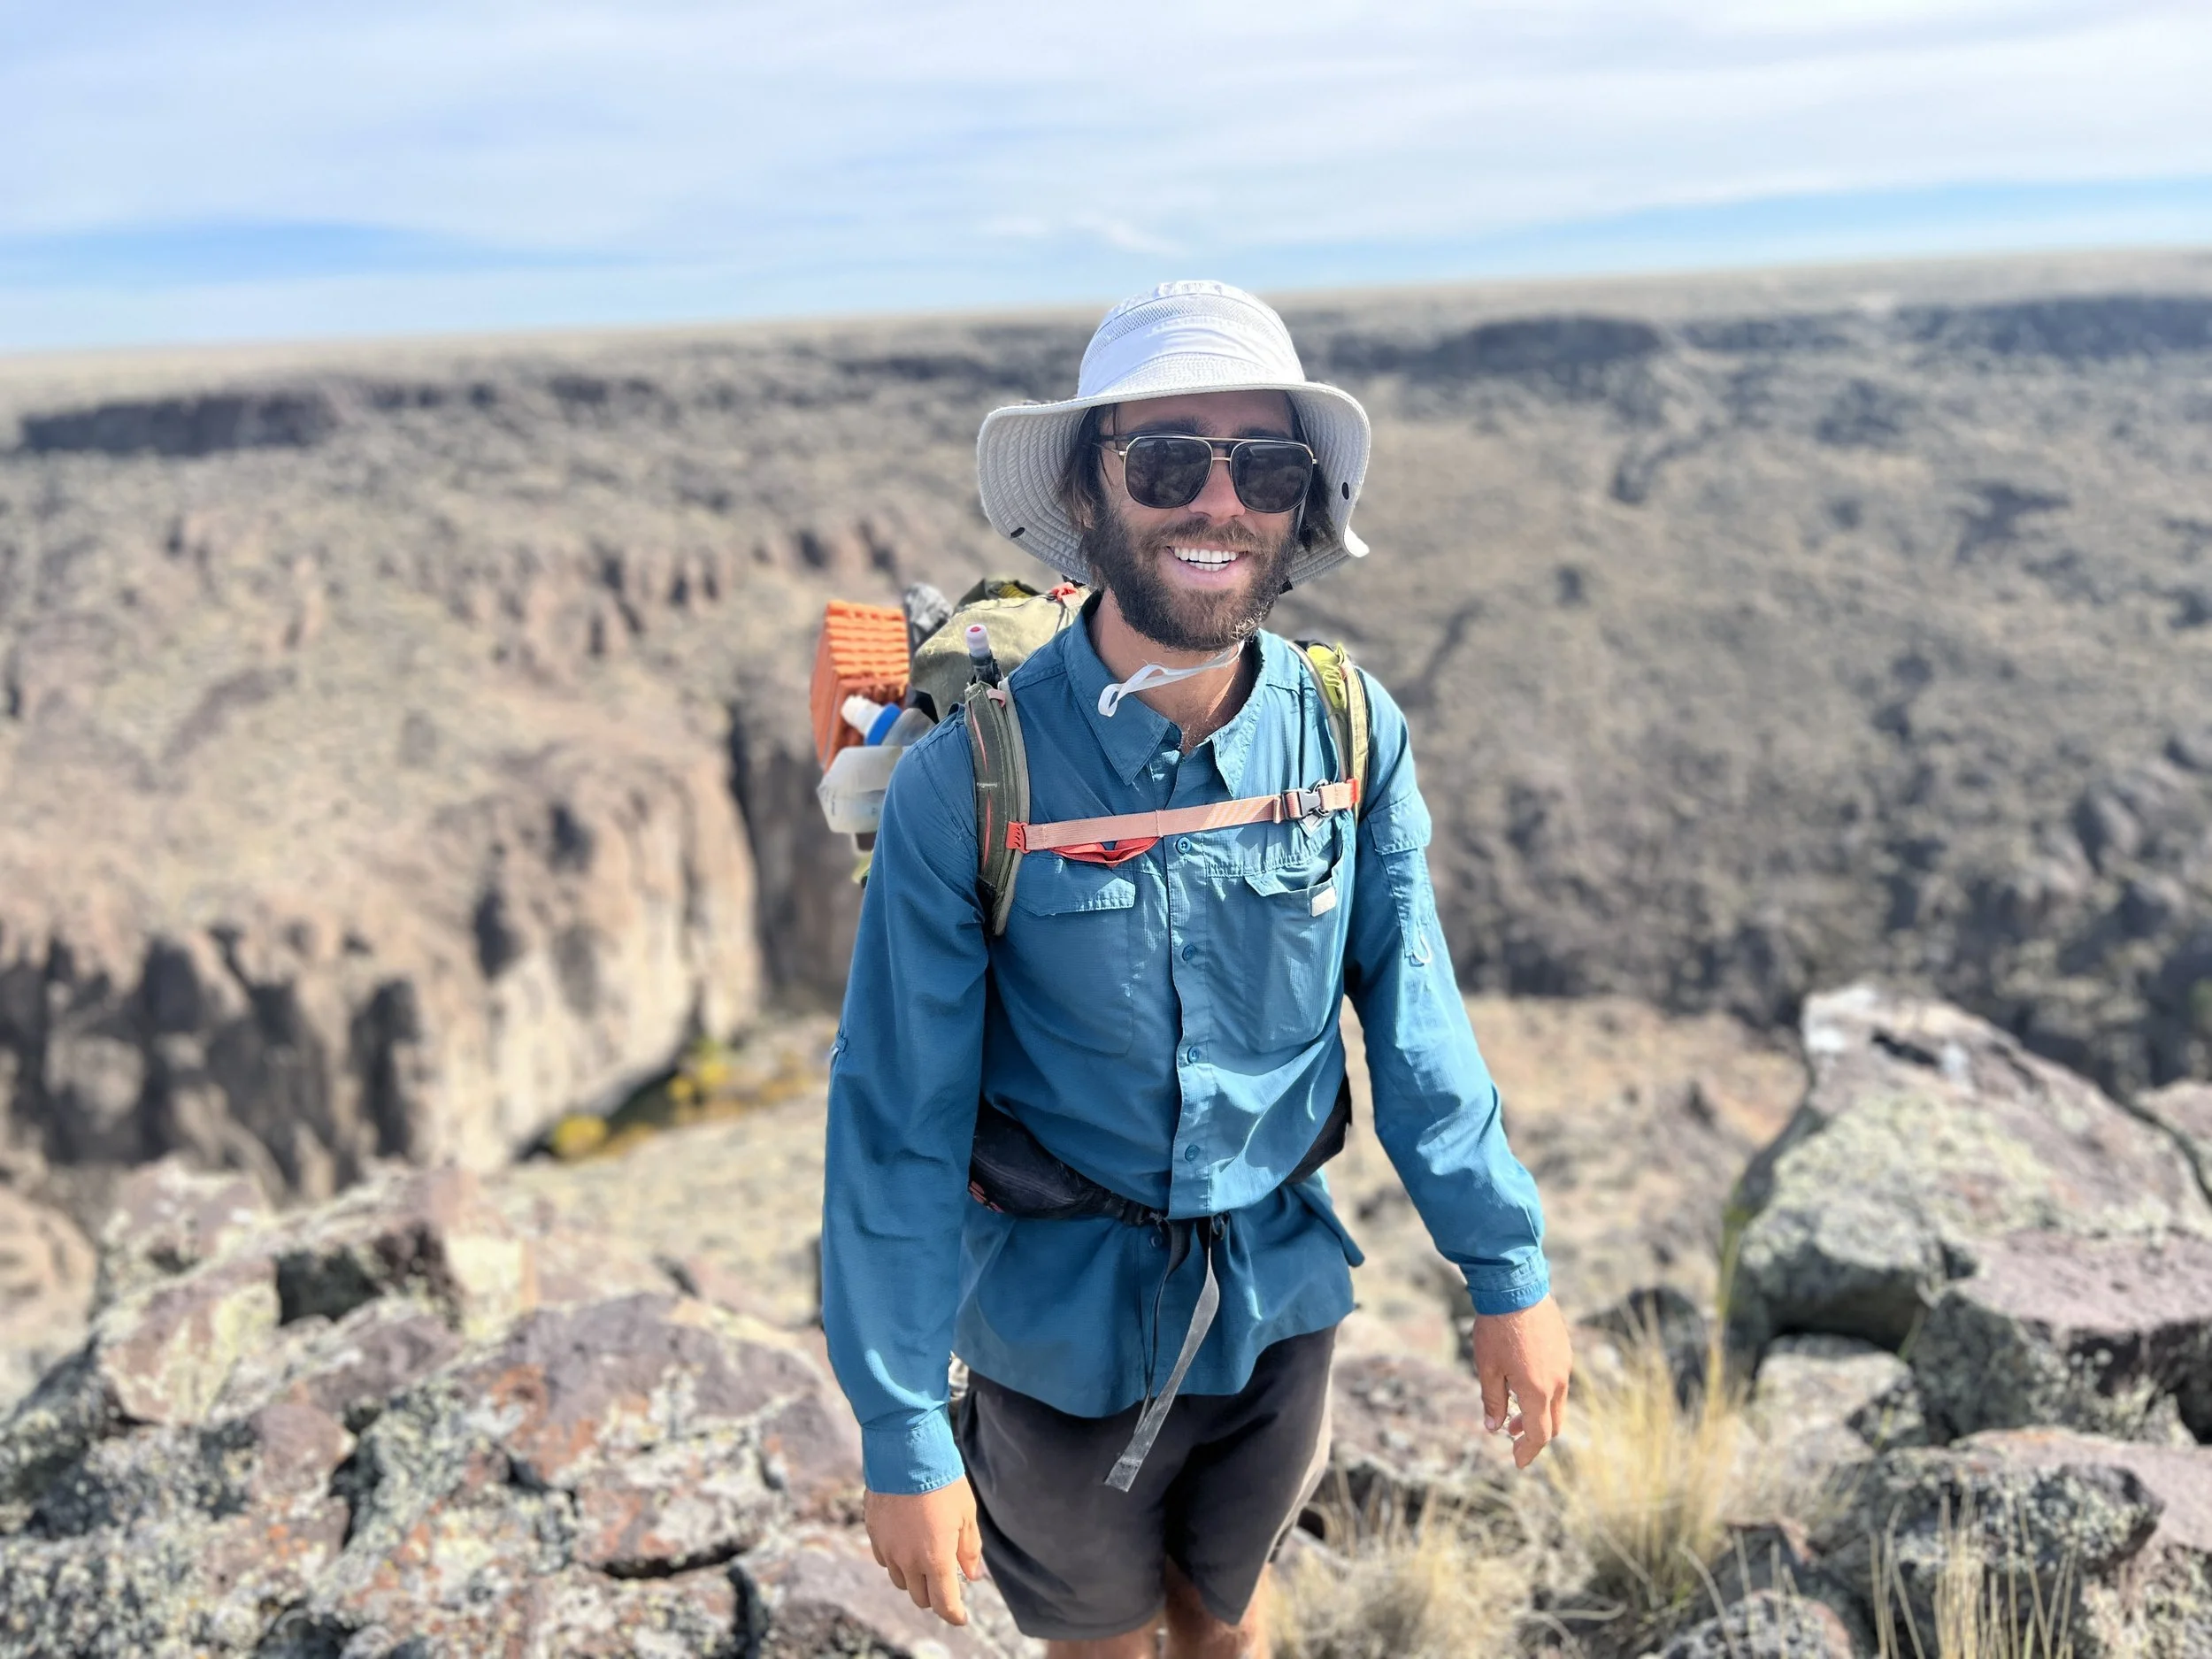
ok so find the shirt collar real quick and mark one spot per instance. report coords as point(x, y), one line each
point(1137, 731)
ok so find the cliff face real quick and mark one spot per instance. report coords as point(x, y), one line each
point(401, 744)
point(331, 833)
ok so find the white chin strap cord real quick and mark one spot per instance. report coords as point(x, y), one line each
point(1153, 674)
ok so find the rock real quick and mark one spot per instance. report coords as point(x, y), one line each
point(2185, 1111)
point(1404, 1431)
point(1925, 1134)
point(641, 1437)
point(166, 1217)
point(1824, 1406)
point(1765, 1624)
point(434, 970)
point(353, 1429)
point(2113, 1336)
point(2116, 1537)
point(432, 1231)
point(164, 1353)
point(349, 1367)
point(822, 1592)
point(2167, 1595)
point(46, 1279)
point(176, 1539)
point(1776, 1558)
point(581, 1482)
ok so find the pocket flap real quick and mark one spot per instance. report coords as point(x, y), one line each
point(1305, 880)
point(1048, 886)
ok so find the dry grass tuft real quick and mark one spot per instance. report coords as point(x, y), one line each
point(1438, 1588)
point(1983, 1610)
point(1644, 1484)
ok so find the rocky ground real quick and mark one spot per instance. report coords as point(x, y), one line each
point(403, 744)
point(562, 1411)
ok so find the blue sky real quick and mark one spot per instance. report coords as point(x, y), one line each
point(239, 169)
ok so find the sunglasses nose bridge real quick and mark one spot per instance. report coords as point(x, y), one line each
point(1217, 496)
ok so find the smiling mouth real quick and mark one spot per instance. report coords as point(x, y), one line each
point(1206, 558)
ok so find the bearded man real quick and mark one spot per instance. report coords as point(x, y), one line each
point(1161, 1016)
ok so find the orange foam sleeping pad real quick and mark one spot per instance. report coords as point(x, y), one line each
point(862, 652)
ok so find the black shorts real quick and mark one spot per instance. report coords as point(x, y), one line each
point(1078, 1560)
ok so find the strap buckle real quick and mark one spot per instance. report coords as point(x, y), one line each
point(1303, 804)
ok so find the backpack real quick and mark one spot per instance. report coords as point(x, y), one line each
point(1018, 620)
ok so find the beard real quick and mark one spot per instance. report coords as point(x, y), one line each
point(1179, 619)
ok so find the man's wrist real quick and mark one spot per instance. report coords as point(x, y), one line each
point(1508, 1290)
point(905, 1456)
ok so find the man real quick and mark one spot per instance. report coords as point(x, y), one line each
point(1163, 1017)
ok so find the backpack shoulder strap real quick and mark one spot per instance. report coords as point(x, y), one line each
point(1344, 694)
point(1002, 792)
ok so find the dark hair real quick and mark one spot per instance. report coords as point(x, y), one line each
point(1081, 490)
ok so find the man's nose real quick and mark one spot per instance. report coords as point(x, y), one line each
point(1219, 499)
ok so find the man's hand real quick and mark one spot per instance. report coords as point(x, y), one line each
point(920, 1539)
point(1528, 1354)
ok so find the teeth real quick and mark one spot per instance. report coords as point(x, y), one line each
point(1212, 558)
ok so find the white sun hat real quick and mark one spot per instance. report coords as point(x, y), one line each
point(1182, 337)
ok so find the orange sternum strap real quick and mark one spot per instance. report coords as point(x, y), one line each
point(1113, 840)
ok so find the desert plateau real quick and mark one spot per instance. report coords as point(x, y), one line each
point(404, 757)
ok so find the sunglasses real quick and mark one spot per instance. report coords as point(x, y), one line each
point(1168, 469)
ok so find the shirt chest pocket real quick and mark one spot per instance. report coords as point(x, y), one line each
point(1065, 962)
point(1281, 933)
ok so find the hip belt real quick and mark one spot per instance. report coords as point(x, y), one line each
point(1011, 1171)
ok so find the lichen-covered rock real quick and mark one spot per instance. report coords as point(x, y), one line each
point(167, 1217)
point(2167, 1595)
point(640, 1437)
point(1765, 1624)
point(348, 1430)
point(166, 1354)
point(2113, 1336)
point(1925, 1132)
point(2115, 1537)
point(176, 1539)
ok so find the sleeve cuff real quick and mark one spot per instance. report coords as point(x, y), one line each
point(1510, 1289)
point(906, 1455)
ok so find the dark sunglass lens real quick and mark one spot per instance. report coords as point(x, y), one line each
point(1165, 471)
point(1271, 477)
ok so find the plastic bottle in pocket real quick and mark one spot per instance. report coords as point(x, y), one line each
point(851, 791)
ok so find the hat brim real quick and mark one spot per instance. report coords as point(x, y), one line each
point(1023, 449)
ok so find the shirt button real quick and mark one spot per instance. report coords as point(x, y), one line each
point(1191, 1054)
point(1182, 843)
point(1190, 1155)
point(1190, 953)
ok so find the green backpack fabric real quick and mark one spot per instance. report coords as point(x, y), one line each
point(1019, 620)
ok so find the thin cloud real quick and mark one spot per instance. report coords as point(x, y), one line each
point(849, 146)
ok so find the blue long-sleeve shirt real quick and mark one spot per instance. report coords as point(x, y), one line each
point(1170, 1027)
